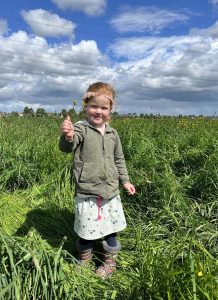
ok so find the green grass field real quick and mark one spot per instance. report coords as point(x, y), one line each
point(170, 248)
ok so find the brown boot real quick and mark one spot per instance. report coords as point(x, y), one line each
point(84, 255)
point(109, 265)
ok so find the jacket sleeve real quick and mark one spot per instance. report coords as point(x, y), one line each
point(68, 147)
point(119, 161)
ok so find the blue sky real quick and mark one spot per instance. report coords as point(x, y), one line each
point(161, 56)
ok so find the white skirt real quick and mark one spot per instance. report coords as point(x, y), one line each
point(96, 217)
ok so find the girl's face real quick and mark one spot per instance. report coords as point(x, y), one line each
point(98, 110)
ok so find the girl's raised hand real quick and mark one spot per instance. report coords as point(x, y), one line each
point(129, 187)
point(67, 129)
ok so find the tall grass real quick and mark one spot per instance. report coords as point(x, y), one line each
point(169, 250)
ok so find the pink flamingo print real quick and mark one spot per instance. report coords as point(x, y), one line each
point(99, 200)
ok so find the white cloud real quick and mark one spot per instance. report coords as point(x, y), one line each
point(214, 2)
point(167, 75)
point(178, 73)
point(3, 26)
point(89, 7)
point(149, 19)
point(151, 47)
point(211, 31)
point(35, 72)
point(46, 24)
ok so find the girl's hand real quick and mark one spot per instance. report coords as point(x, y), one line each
point(67, 129)
point(129, 187)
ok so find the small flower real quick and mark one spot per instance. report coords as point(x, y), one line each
point(200, 273)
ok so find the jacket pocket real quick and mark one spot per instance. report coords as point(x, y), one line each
point(91, 173)
point(77, 169)
point(112, 172)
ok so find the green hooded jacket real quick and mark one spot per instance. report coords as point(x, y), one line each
point(98, 163)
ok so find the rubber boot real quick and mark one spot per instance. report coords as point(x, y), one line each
point(84, 255)
point(109, 264)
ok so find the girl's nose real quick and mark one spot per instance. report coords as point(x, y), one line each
point(98, 111)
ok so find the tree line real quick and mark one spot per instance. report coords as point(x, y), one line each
point(41, 112)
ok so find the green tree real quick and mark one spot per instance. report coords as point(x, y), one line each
point(28, 111)
point(64, 113)
point(15, 114)
point(31, 112)
point(40, 112)
point(115, 114)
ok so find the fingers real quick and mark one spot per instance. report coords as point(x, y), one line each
point(131, 190)
point(67, 124)
point(67, 127)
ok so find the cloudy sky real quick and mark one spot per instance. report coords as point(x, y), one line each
point(161, 56)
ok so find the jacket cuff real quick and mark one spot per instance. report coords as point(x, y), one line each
point(71, 141)
point(124, 180)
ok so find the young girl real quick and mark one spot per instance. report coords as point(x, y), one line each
point(98, 167)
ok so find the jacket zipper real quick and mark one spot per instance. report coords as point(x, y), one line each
point(103, 150)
